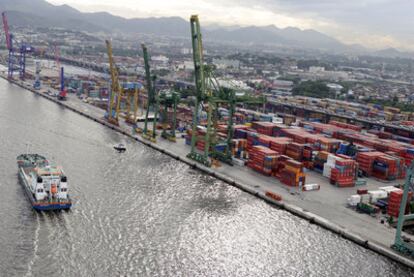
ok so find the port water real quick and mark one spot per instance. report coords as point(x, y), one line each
point(142, 213)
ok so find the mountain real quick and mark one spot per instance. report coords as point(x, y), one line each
point(273, 35)
point(393, 53)
point(39, 13)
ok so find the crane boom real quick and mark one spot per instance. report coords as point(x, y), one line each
point(200, 85)
point(6, 31)
point(115, 87)
point(149, 85)
point(152, 97)
point(57, 57)
point(147, 70)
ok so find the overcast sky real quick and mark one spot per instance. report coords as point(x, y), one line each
point(372, 23)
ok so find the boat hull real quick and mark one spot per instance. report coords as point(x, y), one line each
point(42, 205)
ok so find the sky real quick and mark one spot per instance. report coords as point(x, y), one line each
point(375, 24)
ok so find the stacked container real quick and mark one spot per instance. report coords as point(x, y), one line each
point(394, 202)
point(366, 161)
point(329, 165)
point(307, 153)
point(408, 155)
point(295, 151)
point(239, 148)
point(240, 131)
point(280, 165)
point(265, 128)
point(346, 125)
point(386, 167)
point(328, 144)
point(252, 140)
point(320, 160)
point(201, 143)
point(280, 144)
point(262, 159)
point(344, 173)
point(292, 174)
point(264, 140)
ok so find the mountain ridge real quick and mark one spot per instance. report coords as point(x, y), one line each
point(40, 13)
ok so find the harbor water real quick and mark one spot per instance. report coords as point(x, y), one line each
point(141, 213)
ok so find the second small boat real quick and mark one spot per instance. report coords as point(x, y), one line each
point(120, 147)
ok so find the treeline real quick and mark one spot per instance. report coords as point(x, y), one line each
point(317, 89)
point(404, 107)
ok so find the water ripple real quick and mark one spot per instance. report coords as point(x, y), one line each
point(144, 214)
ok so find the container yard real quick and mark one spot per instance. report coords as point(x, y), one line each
point(368, 111)
point(275, 174)
point(335, 171)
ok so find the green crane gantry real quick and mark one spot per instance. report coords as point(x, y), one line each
point(209, 91)
point(153, 99)
point(402, 244)
point(116, 89)
point(200, 86)
point(227, 96)
point(169, 99)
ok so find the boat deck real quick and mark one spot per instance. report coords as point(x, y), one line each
point(52, 203)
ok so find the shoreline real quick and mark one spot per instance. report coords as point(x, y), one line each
point(258, 191)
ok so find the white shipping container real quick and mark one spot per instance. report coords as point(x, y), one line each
point(331, 160)
point(353, 200)
point(388, 189)
point(238, 162)
point(326, 170)
point(377, 194)
point(365, 198)
point(309, 187)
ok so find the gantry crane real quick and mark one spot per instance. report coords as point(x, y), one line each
point(152, 100)
point(228, 97)
point(116, 89)
point(401, 244)
point(37, 84)
point(61, 73)
point(209, 91)
point(200, 89)
point(169, 100)
point(17, 56)
point(130, 92)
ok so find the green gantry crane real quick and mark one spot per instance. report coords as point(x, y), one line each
point(152, 101)
point(169, 99)
point(200, 86)
point(228, 97)
point(401, 244)
point(208, 90)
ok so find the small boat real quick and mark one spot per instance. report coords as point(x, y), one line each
point(120, 147)
point(45, 185)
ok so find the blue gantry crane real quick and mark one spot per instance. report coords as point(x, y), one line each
point(17, 55)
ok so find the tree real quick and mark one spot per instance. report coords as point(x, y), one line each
point(395, 99)
point(317, 89)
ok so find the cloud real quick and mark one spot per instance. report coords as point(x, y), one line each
point(374, 23)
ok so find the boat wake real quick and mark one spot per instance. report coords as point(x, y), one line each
point(35, 248)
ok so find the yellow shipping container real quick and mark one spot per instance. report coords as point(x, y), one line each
point(389, 116)
point(391, 109)
point(292, 169)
